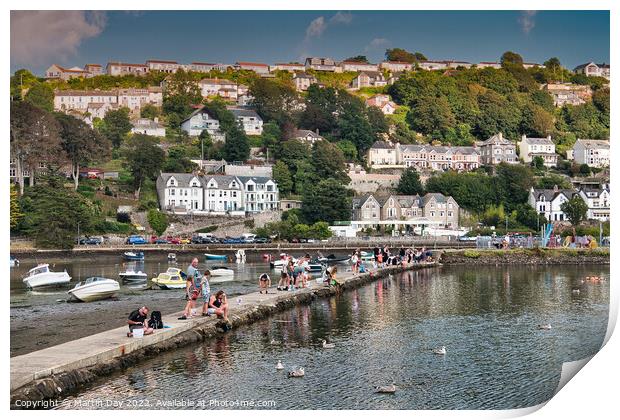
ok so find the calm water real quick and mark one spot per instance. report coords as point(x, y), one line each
point(486, 317)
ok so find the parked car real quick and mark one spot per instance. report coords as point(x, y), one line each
point(197, 240)
point(262, 240)
point(91, 240)
point(136, 240)
point(185, 241)
point(160, 241)
point(233, 241)
point(173, 240)
point(466, 238)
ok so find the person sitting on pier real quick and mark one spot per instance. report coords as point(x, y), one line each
point(137, 320)
point(264, 282)
point(218, 305)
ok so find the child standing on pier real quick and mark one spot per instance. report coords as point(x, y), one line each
point(264, 282)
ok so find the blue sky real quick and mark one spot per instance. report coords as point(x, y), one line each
point(69, 38)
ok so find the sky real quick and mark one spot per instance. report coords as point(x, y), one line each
point(74, 38)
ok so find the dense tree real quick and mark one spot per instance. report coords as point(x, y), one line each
point(511, 58)
point(81, 144)
point(271, 138)
point(358, 59)
point(377, 120)
point(15, 209)
point(273, 100)
point(473, 191)
point(21, 81)
point(549, 181)
point(544, 100)
point(513, 183)
point(535, 121)
point(237, 145)
point(399, 54)
point(410, 183)
point(282, 176)
point(178, 160)
point(293, 151)
point(116, 125)
point(575, 209)
point(348, 149)
point(54, 214)
point(328, 162)
point(149, 111)
point(538, 163)
point(326, 201)
point(353, 125)
point(497, 114)
point(157, 220)
point(431, 116)
point(144, 159)
point(321, 106)
point(41, 95)
point(553, 64)
point(35, 139)
point(180, 94)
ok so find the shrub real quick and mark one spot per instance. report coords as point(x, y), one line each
point(471, 254)
point(249, 223)
point(207, 229)
point(157, 220)
point(123, 217)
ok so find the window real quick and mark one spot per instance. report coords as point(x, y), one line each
point(172, 191)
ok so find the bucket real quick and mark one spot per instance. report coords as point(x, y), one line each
point(138, 333)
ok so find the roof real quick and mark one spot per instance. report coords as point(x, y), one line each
point(257, 179)
point(85, 93)
point(94, 65)
point(398, 62)
point(118, 63)
point(202, 64)
point(248, 63)
point(218, 81)
point(181, 178)
point(288, 64)
point(538, 141)
point(602, 65)
point(551, 194)
point(306, 133)
point(244, 112)
point(358, 202)
point(373, 74)
point(593, 144)
point(221, 179)
point(381, 145)
point(496, 139)
point(440, 198)
point(201, 110)
point(407, 200)
point(303, 76)
point(146, 123)
point(162, 61)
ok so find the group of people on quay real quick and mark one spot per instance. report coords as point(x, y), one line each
point(294, 274)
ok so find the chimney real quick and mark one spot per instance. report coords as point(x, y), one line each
point(549, 137)
point(555, 188)
point(523, 137)
point(499, 136)
point(156, 119)
point(317, 132)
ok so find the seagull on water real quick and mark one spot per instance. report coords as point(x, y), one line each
point(279, 365)
point(274, 342)
point(297, 373)
point(441, 350)
point(327, 345)
point(386, 389)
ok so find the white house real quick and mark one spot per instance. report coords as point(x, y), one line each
point(135, 99)
point(290, 67)
point(598, 202)
point(397, 66)
point(248, 120)
point(382, 154)
point(531, 147)
point(223, 193)
point(594, 153)
point(548, 202)
point(58, 72)
point(165, 66)
point(259, 68)
point(235, 195)
point(303, 81)
point(358, 66)
point(308, 137)
point(199, 121)
point(382, 102)
point(80, 100)
point(148, 127)
point(594, 69)
point(116, 68)
point(180, 191)
point(220, 87)
point(260, 194)
point(368, 79)
point(497, 149)
point(322, 64)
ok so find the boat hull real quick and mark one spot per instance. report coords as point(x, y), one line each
point(168, 285)
point(216, 257)
point(95, 291)
point(49, 279)
point(133, 277)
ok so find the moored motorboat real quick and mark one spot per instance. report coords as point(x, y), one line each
point(216, 257)
point(41, 276)
point(284, 258)
point(172, 256)
point(132, 276)
point(314, 268)
point(240, 255)
point(134, 256)
point(14, 262)
point(220, 271)
point(332, 259)
point(94, 288)
point(173, 278)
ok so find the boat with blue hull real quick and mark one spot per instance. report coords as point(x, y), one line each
point(134, 256)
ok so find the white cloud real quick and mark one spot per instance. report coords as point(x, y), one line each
point(42, 37)
point(316, 27)
point(527, 21)
point(341, 17)
point(376, 44)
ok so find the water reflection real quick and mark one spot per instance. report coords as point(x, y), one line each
point(487, 318)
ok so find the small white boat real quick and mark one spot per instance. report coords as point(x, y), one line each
point(386, 389)
point(132, 276)
point(134, 256)
point(219, 271)
point(41, 276)
point(172, 256)
point(14, 262)
point(284, 258)
point(240, 255)
point(297, 373)
point(94, 288)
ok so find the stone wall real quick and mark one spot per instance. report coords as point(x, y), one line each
point(535, 256)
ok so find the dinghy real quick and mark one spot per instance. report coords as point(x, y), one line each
point(216, 257)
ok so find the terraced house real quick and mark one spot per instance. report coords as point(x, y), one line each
point(431, 209)
point(216, 194)
point(423, 157)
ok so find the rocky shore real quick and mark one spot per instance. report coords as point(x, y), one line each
point(535, 256)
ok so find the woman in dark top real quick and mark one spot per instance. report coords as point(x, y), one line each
point(137, 319)
point(218, 304)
